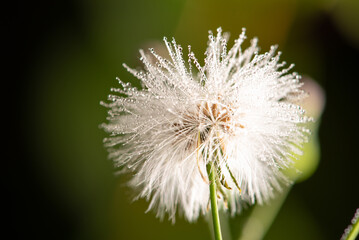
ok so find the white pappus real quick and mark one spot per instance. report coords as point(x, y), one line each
point(237, 111)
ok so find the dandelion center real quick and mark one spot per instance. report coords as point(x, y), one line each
point(206, 116)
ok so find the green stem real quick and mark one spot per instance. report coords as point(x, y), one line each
point(213, 196)
point(354, 230)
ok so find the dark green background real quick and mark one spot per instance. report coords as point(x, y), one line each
point(62, 57)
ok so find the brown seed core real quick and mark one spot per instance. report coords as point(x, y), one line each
point(220, 115)
point(208, 113)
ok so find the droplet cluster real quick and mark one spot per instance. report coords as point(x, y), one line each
point(240, 103)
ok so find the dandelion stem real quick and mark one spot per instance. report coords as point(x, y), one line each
point(352, 231)
point(213, 196)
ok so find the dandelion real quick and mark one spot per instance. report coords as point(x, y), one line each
point(232, 123)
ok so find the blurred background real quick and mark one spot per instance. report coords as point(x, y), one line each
point(62, 58)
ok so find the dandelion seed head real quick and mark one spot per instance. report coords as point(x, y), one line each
point(239, 102)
